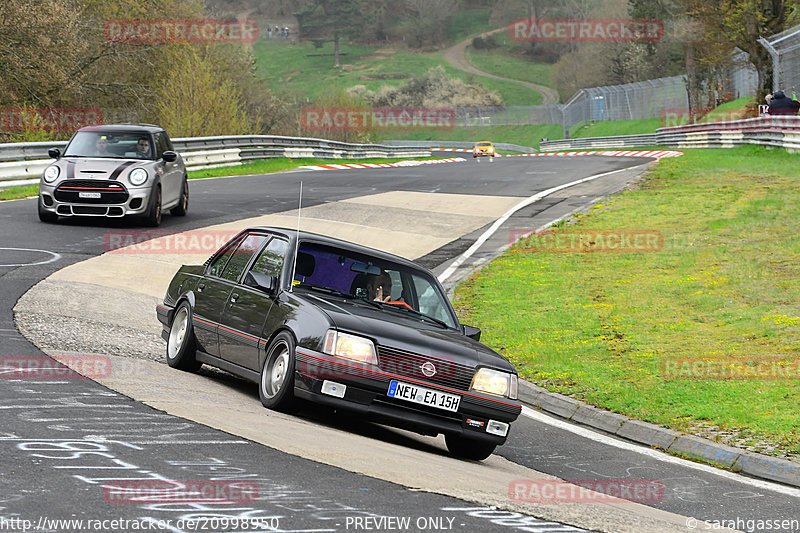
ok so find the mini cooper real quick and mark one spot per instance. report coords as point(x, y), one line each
point(115, 170)
point(316, 318)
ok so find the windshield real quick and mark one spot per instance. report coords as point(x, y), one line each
point(393, 287)
point(110, 145)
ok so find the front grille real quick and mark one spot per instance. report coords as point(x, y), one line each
point(89, 210)
point(407, 364)
point(111, 192)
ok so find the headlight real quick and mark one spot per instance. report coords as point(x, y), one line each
point(51, 173)
point(495, 382)
point(349, 346)
point(138, 176)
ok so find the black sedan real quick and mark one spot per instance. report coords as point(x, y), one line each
point(313, 317)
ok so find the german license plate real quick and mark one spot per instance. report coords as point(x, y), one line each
point(89, 195)
point(421, 395)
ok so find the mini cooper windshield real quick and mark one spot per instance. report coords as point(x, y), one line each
point(103, 144)
point(388, 286)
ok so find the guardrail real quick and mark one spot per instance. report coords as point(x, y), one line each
point(776, 131)
point(27, 161)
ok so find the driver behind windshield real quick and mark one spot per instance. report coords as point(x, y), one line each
point(379, 287)
point(101, 146)
point(143, 148)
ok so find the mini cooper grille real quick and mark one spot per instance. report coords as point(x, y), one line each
point(110, 192)
point(410, 365)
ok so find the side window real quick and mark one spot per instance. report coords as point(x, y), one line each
point(237, 258)
point(161, 144)
point(167, 141)
point(270, 261)
point(219, 263)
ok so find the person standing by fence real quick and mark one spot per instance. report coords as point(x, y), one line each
point(780, 104)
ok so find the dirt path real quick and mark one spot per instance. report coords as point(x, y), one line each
point(455, 56)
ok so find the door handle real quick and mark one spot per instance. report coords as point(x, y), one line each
point(201, 287)
point(234, 297)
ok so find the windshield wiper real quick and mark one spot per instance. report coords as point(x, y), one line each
point(423, 316)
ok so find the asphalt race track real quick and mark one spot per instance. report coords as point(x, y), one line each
point(62, 439)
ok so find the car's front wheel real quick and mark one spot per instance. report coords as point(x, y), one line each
point(153, 216)
point(45, 215)
point(467, 448)
point(183, 206)
point(181, 345)
point(276, 386)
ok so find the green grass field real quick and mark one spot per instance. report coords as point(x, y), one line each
point(604, 327)
point(299, 69)
point(500, 63)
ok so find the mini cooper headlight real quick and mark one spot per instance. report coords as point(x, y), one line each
point(138, 176)
point(51, 173)
point(350, 346)
point(495, 382)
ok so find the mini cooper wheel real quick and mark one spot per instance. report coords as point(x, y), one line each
point(183, 206)
point(45, 215)
point(181, 346)
point(276, 386)
point(466, 448)
point(153, 216)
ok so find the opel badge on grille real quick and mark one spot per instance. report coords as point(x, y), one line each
point(428, 369)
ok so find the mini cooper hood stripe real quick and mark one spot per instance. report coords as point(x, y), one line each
point(117, 171)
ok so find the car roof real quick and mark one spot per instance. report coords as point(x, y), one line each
point(307, 236)
point(483, 142)
point(133, 128)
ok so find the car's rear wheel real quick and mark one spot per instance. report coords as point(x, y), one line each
point(153, 216)
point(183, 206)
point(181, 345)
point(276, 386)
point(45, 215)
point(467, 448)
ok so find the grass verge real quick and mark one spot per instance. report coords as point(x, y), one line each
point(604, 327)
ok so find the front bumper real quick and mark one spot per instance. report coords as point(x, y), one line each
point(365, 392)
point(129, 201)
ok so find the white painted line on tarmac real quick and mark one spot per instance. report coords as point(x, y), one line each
point(54, 257)
point(655, 454)
point(500, 221)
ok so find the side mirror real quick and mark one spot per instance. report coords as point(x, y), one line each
point(262, 282)
point(55, 153)
point(169, 156)
point(472, 332)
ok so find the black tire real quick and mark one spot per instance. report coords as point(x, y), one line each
point(183, 206)
point(45, 215)
point(276, 386)
point(181, 345)
point(466, 448)
point(153, 216)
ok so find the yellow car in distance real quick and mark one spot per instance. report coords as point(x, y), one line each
point(483, 148)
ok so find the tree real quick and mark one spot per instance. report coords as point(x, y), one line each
point(194, 99)
point(742, 23)
point(331, 20)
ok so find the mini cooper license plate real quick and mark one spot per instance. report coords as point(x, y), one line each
point(432, 398)
point(89, 195)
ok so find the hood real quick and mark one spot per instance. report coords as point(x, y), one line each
point(402, 331)
point(96, 168)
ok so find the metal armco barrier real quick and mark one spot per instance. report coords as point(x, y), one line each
point(776, 131)
point(26, 161)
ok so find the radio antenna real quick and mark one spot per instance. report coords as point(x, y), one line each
point(297, 240)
